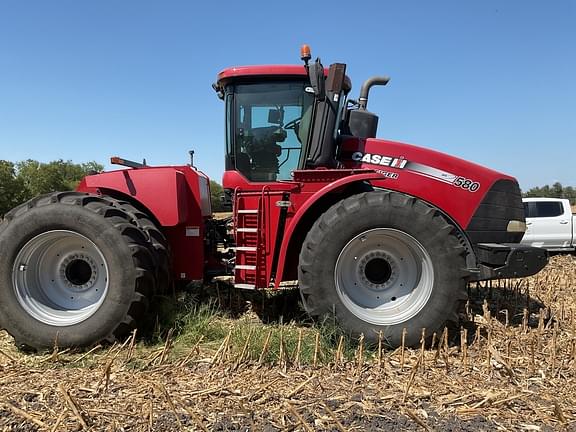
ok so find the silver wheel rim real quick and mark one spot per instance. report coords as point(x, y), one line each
point(384, 276)
point(60, 278)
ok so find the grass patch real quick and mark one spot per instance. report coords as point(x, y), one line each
point(227, 329)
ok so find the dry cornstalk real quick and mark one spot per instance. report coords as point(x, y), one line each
point(132, 345)
point(197, 421)
point(167, 345)
point(194, 350)
point(525, 316)
point(24, 414)
point(171, 404)
point(433, 342)
point(244, 348)
point(446, 350)
point(440, 344)
point(58, 421)
point(500, 360)
point(464, 345)
point(334, 418)
point(553, 352)
point(316, 349)
point(417, 419)
point(403, 348)
point(299, 388)
point(558, 412)
point(422, 345)
point(74, 406)
point(298, 349)
point(298, 417)
point(281, 359)
point(360, 354)
point(220, 352)
point(8, 356)
point(87, 353)
point(380, 349)
point(265, 347)
point(150, 414)
point(411, 379)
point(339, 354)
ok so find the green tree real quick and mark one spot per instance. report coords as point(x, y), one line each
point(11, 187)
point(216, 192)
point(554, 191)
point(26, 179)
point(39, 178)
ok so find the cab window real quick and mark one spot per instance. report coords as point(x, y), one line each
point(270, 129)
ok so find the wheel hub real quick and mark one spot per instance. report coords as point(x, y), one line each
point(60, 277)
point(78, 272)
point(377, 271)
point(384, 276)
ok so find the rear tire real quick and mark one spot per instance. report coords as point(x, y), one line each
point(157, 242)
point(381, 262)
point(74, 271)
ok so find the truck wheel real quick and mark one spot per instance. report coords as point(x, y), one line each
point(73, 271)
point(381, 262)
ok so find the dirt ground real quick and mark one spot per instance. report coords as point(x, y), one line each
point(510, 366)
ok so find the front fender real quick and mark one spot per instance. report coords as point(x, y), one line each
point(316, 204)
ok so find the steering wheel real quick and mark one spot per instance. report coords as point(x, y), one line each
point(293, 124)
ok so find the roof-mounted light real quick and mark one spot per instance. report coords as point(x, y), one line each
point(305, 54)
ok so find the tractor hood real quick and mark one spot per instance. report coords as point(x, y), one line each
point(477, 198)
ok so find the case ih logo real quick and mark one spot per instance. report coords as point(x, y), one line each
point(376, 159)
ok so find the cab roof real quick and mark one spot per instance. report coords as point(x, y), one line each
point(268, 71)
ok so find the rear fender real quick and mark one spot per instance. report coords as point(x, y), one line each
point(178, 198)
point(165, 192)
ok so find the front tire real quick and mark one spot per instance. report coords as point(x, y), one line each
point(74, 271)
point(381, 262)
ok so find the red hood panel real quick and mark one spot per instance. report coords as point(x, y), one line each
point(451, 184)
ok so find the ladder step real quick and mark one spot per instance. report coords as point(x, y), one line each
point(248, 211)
point(245, 286)
point(245, 267)
point(246, 248)
point(248, 230)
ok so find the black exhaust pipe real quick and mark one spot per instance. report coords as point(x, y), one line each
point(375, 80)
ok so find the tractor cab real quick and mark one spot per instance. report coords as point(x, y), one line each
point(281, 118)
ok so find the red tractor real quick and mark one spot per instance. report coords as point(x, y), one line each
point(382, 235)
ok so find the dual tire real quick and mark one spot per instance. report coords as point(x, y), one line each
point(77, 269)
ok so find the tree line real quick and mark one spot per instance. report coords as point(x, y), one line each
point(554, 191)
point(23, 180)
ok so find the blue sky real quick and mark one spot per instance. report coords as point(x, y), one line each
point(492, 81)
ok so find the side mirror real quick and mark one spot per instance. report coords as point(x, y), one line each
point(276, 116)
point(335, 80)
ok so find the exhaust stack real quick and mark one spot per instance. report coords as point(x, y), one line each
point(365, 89)
point(361, 122)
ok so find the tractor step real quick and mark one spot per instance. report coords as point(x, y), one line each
point(245, 267)
point(248, 211)
point(245, 286)
point(246, 248)
point(247, 230)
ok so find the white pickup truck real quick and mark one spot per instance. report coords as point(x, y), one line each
point(550, 224)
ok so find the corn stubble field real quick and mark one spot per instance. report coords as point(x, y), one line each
point(511, 365)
